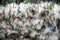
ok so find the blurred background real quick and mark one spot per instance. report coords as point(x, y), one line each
point(3, 2)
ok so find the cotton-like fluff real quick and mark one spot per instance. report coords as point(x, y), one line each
point(7, 14)
point(39, 25)
point(15, 22)
point(23, 7)
point(11, 31)
point(1, 12)
point(53, 37)
point(56, 10)
point(1, 9)
point(3, 25)
point(45, 4)
point(35, 21)
point(12, 9)
point(28, 18)
point(35, 7)
point(40, 9)
point(33, 34)
point(47, 30)
point(42, 37)
point(12, 5)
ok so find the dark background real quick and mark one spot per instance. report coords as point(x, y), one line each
point(3, 2)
